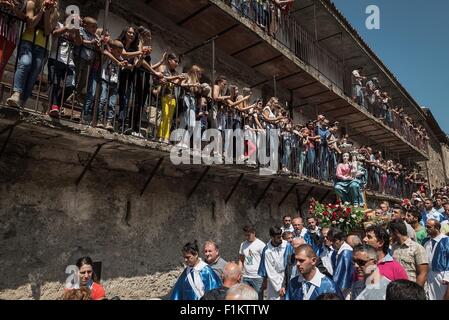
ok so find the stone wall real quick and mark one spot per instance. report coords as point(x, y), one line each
point(435, 165)
point(47, 222)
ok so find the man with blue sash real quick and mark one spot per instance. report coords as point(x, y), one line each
point(310, 282)
point(341, 261)
point(429, 212)
point(197, 277)
point(273, 262)
point(437, 248)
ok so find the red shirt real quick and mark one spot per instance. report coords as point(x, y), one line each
point(97, 291)
point(391, 269)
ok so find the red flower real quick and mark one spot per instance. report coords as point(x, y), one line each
point(348, 210)
point(346, 214)
point(325, 213)
point(334, 215)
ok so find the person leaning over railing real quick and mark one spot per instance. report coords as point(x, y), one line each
point(110, 70)
point(104, 38)
point(42, 16)
point(143, 68)
point(61, 66)
point(130, 40)
point(10, 13)
point(165, 88)
point(84, 56)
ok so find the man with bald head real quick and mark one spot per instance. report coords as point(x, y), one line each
point(353, 240)
point(310, 283)
point(299, 231)
point(241, 291)
point(232, 275)
point(212, 257)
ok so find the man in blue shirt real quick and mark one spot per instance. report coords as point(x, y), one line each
point(310, 283)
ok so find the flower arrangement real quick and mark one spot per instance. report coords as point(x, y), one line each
point(343, 216)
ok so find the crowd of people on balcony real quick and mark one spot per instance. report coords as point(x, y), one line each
point(368, 94)
point(118, 78)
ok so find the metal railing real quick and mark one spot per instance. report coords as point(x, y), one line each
point(278, 23)
point(138, 104)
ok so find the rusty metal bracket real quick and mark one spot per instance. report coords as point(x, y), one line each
point(198, 182)
point(10, 129)
point(89, 163)
point(287, 194)
point(263, 193)
point(234, 187)
point(153, 172)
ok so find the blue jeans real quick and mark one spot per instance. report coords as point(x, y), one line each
point(324, 162)
point(108, 90)
point(56, 74)
point(389, 118)
point(126, 83)
point(256, 283)
point(29, 66)
point(311, 167)
point(287, 152)
point(90, 97)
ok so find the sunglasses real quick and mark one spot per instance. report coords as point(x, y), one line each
point(361, 263)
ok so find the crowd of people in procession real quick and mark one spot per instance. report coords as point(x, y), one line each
point(405, 257)
point(401, 255)
point(90, 69)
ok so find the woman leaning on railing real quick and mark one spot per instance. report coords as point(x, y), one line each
point(41, 16)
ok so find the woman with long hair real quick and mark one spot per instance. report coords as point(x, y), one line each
point(197, 278)
point(88, 278)
point(166, 90)
point(190, 91)
point(41, 17)
point(130, 39)
point(144, 69)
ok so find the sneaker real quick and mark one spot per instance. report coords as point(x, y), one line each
point(109, 126)
point(100, 125)
point(54, 111)
point(14, 100)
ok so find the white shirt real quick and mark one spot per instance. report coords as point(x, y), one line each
point(275, 268)
point(252, 251)
point(301, 235)
point(291, 229)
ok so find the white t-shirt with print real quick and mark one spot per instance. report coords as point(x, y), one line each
point(252, 251)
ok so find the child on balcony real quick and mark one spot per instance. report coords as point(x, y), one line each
point(61, 66)
point(84, 56)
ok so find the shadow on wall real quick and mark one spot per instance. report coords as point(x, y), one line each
point(47, 224)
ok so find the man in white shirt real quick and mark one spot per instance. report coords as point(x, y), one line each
point(287, 221)
point(273, 262)
point(326, 251)
point(357, 93)
point(250, 254)
point(437, 248)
